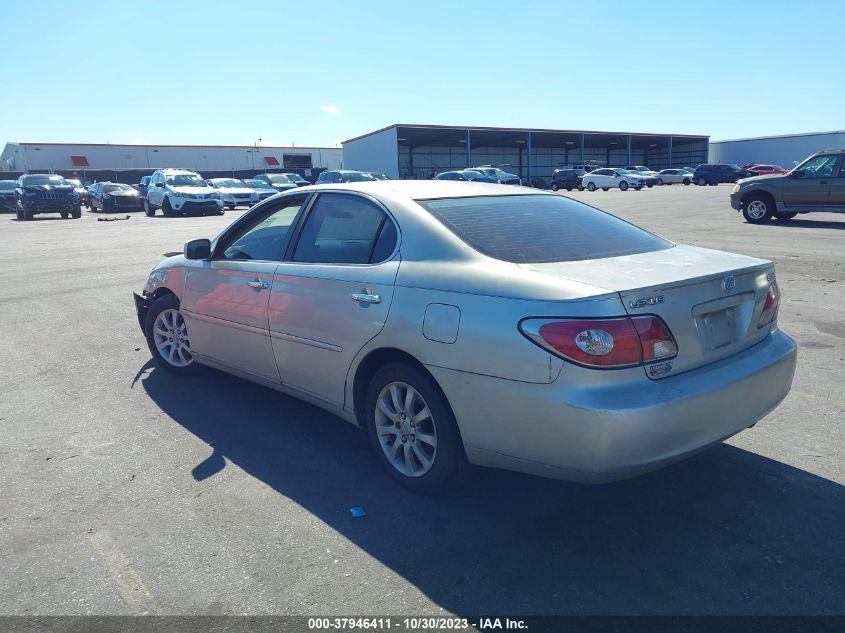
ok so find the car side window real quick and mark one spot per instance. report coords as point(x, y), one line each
point(842, 167)
point(345, 229)
point(266, 237)
point(818, 166)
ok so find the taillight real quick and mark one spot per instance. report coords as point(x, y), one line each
point(607, 343)
point(770, 307)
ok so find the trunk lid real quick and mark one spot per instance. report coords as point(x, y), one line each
point(711, 300)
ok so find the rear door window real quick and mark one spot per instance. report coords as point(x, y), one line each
point(527, 229)
point(345, 229)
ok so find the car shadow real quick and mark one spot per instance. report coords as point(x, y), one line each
point(726, 532)
point(808, 224)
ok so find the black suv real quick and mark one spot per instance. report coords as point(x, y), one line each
point(568, 179)
point(719, 172)
point(45, 193)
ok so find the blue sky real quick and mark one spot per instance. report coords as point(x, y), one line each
point(317, 73)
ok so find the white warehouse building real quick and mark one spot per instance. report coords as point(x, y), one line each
point(786, 151)
point(209, 160)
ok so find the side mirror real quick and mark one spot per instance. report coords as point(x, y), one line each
point(160, 184)
point(799, 173)
point(197, 249)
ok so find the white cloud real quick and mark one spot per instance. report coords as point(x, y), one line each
point(330, 108)
point(137, 141)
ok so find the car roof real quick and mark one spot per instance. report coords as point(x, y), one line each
point(428, 189)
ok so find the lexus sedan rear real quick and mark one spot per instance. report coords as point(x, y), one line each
point(478, 322)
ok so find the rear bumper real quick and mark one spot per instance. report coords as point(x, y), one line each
point(594, 429)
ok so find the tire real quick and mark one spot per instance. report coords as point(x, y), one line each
point(639, 188)
point(580, 187)
point(605, 188)
point(623, 186)
point(659, 182)
point(65, 215)
point(687, 181)
point(591, 186)
point(701, 182)
point(650, 185)
point(77, 212)
point(149, 210)
point(784, 217)
point(758, 209)
point(166, 209)
point(159, 332)
point(19, 212)
point(554, 186)
point(26, 216)
point(407, 466)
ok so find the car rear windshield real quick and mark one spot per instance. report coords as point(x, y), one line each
point(280, 179)
point(526, 229)
point(115, 188)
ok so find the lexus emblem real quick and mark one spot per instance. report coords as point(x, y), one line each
point(728, 284)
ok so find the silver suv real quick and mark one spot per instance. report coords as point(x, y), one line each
point(178, 191)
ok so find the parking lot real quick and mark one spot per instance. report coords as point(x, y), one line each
point(124, 490)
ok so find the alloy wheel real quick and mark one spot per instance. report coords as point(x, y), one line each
point(406, 430)
point(171, 338)
point(756, 209)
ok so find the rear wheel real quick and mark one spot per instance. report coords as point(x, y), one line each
point(702, 181)
point(412, 429)
point(554, 186)
point(623, 186)
point(659, 181)
point(65, 215)
point(687, 181)
point(605, 188)
point(591, 186)
point(638, 188)
point(167, 337)
point(758, 209)
point(783, 217)
point(580, 187)
point(77, 212)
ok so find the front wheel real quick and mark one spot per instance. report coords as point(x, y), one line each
point(580, 187)
point(554, 186)
point(166, 209)
point(591, 186)
point(77, 212)
point(167, 337)
point(412, 429)
point(659, 182)
point(149, 210)
point(702, 182)
point(639, 188)
point(687, 181)
point(623, 186)
point(758, 209)
point(605, 188)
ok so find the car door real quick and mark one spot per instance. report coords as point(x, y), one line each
point(226, 298)
point(837, 188)
point(333, 292)
point(814, 186)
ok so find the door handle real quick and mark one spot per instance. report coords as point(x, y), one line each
point(365, 298)
point(258, 284)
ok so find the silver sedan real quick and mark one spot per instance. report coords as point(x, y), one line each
point(465, 322)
